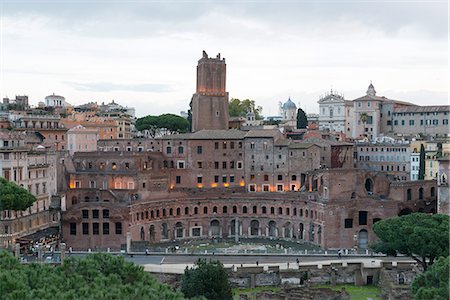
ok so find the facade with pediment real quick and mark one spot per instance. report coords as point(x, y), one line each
point(334, 111)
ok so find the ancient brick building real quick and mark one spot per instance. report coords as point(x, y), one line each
point(209, 105)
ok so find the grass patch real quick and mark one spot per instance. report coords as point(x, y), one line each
point(251, 292)
point(356, 292)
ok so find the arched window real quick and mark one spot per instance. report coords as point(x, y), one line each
point(432, 191)
point(178, 211)
point(186, 210)
point(408, 194)
point(224, 209)
point(142, 234)
point(205, 210)
point(280, 210)
point(369, 186)
point(264, 210)
point(421, 194)
point(244, 209)
point(215, 209)
point(255, 209)
point(74, 200)
point(234, 209)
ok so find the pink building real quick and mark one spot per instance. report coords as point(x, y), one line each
point(82, 139)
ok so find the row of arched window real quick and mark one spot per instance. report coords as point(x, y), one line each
point(272, 210)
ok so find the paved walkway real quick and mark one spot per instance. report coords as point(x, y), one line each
point(179, 268)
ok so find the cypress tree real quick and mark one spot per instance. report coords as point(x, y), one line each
point(422, 163)
point(302, 120)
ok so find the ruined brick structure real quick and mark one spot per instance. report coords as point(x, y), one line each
point(209, 105)
point(216, 182)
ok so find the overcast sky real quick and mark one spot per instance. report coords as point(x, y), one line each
point(144, 53)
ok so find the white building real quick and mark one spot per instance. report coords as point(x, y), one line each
point(415, 165)
point(334, 111)
point(55, 101)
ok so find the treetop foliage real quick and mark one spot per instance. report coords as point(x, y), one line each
point(14, 197)
point(434, 283)
point(238, 108)
point(98, 276)
point(207, 279)
point(421, 236)
point(154, 124)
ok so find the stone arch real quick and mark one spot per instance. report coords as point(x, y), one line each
point(368, 184)
point(319, 234)
point(152, 233)
point(273, 231)
point(287, 230)
point(233, 227)
point(363, 239)
point(408, 194)
point(254, 228)
point(142, 235)
point(179, 230)
point(164, 231)
point(214, 228)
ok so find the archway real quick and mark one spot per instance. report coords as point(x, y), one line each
point(142, 234)
point(164, 231)
point(214, 228)
point(272, 229)
point(363, 239)
point(152, 233)
point(300, 231)
point(421, 194)
point(254, 228)
point(179, 231)
point(287, 230)
point(369, 185)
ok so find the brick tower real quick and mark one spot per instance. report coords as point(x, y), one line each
point(209, 105)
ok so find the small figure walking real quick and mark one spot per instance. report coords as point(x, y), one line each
point(257, 263)
point(298, 261)
point(340, 253)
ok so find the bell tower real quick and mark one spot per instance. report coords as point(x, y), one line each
point(209, 105)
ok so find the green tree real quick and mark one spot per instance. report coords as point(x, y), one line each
point(14, 197)
point(170, 122)
point(364, 117)
point(238, 108)
point(207, 279)
point(434, 283)
point(422, 162)
point(98, 276)
point(302, 120)
point(421, 236)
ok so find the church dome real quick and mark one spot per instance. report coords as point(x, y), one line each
point(289, 104)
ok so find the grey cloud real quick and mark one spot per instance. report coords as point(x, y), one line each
point(109, 87)
point(137, 19)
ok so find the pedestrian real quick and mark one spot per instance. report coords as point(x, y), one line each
point(288, 265)
point(340, 253)
point(298, 261)
point(146, 251)
point(257, 263)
